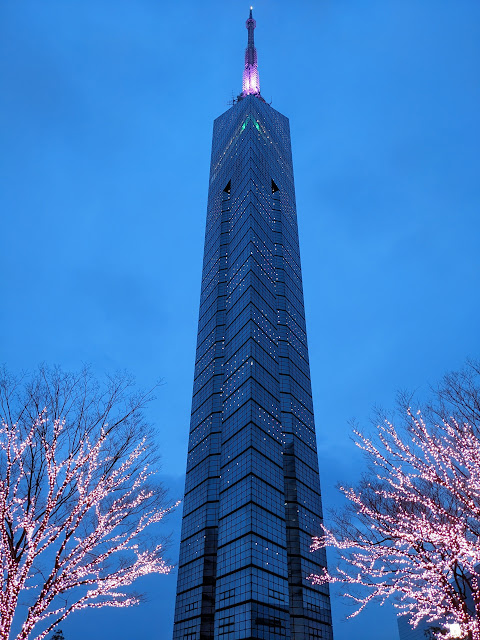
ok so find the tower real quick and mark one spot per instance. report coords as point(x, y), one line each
point(252, 491)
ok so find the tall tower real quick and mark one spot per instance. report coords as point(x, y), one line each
point(252, 492)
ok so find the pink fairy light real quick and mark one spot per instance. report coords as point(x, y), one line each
point(85, 524)
point(416, 532)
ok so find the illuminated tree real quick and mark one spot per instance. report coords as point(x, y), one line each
point(411, 528)
point(77, 496)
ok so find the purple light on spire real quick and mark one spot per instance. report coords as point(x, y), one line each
point(251, 80)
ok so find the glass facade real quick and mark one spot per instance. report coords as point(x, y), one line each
point(252, 492)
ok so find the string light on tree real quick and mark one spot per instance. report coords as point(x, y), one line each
point(77, 494)
point(412, 529)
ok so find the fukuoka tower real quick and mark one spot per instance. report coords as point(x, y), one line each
point(252, 492)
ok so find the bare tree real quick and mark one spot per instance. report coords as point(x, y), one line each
point(458, 395)
point(412, 526)
point(77, 496)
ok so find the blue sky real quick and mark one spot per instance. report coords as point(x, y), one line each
point(106, 115)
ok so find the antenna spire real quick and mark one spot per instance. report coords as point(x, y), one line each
point(251, 80)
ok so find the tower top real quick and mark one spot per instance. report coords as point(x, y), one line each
point(251, 80)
